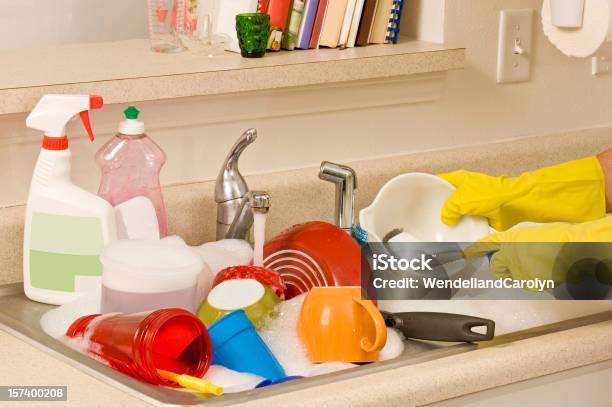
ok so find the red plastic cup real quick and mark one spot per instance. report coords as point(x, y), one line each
point(170, 339)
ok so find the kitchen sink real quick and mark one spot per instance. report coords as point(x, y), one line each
point(20, 317)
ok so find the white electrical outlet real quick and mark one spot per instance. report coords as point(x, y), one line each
point(514, 47)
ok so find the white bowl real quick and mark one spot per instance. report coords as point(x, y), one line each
point(414, 203)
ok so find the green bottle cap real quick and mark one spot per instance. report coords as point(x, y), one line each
point(131, 113)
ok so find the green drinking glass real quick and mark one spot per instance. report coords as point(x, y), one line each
point(252, 30)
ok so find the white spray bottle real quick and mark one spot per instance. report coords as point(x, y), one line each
point(66, 227)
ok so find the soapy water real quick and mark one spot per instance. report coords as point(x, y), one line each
point(280, 334)
point(225, 253)
point(230, 380)
point(56, 322)
point(509, 316)
point(83, 344)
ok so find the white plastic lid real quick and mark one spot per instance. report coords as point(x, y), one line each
point(131, 126)
point(149, 266)
point(235, 294)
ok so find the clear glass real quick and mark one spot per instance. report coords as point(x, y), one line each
point(166, 24)
point(199, 37)
point(130, 167)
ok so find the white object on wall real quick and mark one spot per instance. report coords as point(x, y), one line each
point(223, 17)
point(601, 65)
point(566, 13)
point(586, 40)
point(514, 47)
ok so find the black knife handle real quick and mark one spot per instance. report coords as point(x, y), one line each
point(439, 326)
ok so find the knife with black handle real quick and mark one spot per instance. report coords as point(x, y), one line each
point(439, 326)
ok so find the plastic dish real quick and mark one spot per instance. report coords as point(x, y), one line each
point(257, 301)
point(413, 202)
point(142, 275)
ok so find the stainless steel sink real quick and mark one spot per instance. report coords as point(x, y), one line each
point(20, 317)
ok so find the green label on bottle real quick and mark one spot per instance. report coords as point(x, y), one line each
point(62, 248)
point(55, 271)
point(79, 235)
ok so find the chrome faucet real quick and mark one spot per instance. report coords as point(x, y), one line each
point(346, 184)
point(235, 203)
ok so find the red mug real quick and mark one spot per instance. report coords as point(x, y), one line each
point(169, 339)
point(314, 254)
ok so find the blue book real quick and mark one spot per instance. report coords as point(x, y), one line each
point(310, 12)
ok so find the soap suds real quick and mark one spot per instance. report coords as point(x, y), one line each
point(225, 253)
point(280, 334)
point(394, 346)
point(230, 380)
point(56, 322)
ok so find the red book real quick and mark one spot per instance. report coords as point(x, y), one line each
point(279, 12)
point(318, 24)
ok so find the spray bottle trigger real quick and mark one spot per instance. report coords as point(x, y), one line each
point(85, 119)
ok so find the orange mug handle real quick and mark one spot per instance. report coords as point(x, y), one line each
point(379, 326)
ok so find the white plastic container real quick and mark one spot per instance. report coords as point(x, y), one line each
point(142, 275)
point(567, 13)
point(66, 227)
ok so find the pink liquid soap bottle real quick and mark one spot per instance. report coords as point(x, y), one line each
point(130, 164)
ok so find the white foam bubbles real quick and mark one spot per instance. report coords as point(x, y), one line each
point(56, 321)
point(394, 346)
point(225, 253)
point(230, 380)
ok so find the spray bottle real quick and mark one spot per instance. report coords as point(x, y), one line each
point(66, 227)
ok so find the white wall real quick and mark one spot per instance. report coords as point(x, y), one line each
point(561, 95)
point(42, 23)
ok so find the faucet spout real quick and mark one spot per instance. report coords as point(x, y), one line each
point(346, 184)
point(230, 183)
point(252, 202)
point(235, 204)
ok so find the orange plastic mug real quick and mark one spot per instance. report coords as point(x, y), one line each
point(336, 325)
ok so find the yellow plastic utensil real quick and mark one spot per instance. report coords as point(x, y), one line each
point(190, 382)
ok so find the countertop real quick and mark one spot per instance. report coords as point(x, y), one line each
point(127, 71)
point(411, 385)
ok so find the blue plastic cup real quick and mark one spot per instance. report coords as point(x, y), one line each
point(237, 346)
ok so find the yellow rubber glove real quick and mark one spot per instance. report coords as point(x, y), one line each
point(568, 192)
point(549, 251)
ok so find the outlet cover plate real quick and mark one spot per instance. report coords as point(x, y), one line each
point(514, 46)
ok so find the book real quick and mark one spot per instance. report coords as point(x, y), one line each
point(332, 26)
point(357, 16)
point(279, 14)
point(318, 24)
point(393, 27)
point(378, 33)
point(349, 12)
point(308, 19)
point(290, 35)
point(365, 26)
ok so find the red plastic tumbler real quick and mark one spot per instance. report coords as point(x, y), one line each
point(170, 339)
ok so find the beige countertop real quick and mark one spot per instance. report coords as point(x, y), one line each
point(411, 385)
point(127, 71)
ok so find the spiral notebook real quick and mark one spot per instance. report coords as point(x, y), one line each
point(393, 26)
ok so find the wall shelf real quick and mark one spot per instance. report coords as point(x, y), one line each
point(126, 71)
